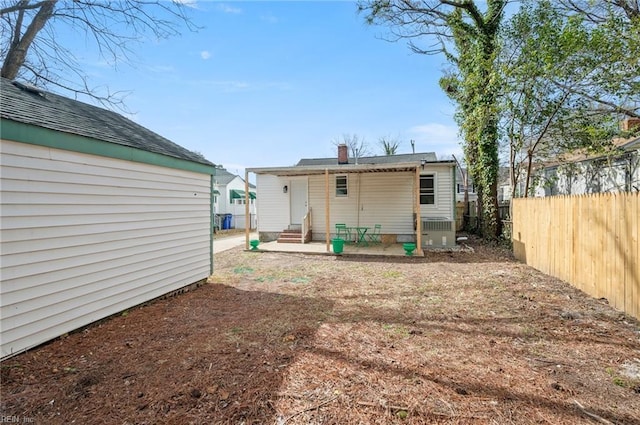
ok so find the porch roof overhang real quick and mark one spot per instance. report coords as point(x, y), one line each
point(308, 170)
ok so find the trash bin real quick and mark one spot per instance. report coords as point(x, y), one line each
point(226, 222)
point(338, 245)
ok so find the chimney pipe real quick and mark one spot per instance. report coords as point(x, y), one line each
point(630, 123)
point(343, 154)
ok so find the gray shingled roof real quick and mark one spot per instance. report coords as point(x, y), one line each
point(382, 159)
point(26, 105)
point(224, 177)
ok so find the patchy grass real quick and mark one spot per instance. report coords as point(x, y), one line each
point(454, 338)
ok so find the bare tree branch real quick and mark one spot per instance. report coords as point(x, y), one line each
point(23, 5)
point(33, 52)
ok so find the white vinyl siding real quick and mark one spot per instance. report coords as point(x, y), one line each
point(272, 204)
point(374, 198)
point(444, 193)
point(84, 237)
point(385, 198)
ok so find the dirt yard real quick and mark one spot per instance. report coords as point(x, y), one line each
point(454, 338)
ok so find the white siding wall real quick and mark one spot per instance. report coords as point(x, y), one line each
point(385, 198)
point(238, 209)
point(272, 205)
point(224, 205)
point(374, 198)
point(84, 237)
point(443, 206)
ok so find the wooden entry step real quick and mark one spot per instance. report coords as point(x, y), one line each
point(290, 236)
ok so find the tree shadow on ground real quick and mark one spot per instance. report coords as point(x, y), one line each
point(214, 355)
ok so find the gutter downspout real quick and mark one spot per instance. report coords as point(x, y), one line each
point(453, 192)
point(327, 219)
point(416, 194)
point(247, 218)
point(358, 206)
point(211, 224)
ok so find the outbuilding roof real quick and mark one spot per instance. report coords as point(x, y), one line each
point(28, 105)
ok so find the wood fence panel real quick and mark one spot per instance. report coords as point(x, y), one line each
point(632, 274)
point(590, 241)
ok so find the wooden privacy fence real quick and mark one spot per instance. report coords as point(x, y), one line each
point(590, 241)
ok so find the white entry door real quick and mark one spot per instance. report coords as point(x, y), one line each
point(298, 201)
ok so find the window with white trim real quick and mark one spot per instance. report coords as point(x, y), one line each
point(428, 189)
point(341, 186)
point(461, 187)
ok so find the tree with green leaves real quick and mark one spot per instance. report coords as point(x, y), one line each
point(570, 75)
point(467, 34)
point(30, 48)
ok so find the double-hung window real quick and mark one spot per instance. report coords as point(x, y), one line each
point(341, 186)
point(427, 189)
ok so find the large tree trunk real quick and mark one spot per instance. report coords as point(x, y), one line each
point(20, 44)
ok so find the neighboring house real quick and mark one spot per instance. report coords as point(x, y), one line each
point(98, 214)
point(505, 187)
point(229, 198)
point(388, 190)
point(579, 174)
point(461, 173)
point(503, 190)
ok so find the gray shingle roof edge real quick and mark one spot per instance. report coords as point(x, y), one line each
point(381, 159)
point(48, 110)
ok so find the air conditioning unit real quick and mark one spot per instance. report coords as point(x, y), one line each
point(438, 232)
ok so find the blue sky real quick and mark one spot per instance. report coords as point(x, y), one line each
point(267, 83)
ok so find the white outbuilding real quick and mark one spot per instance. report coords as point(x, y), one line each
point(98, 214)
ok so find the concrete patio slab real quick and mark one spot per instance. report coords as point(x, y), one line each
point(321, 248)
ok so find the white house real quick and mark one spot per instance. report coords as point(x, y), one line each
point(579, 174)
point(462, 176)
point(390, 190)
point(229, 199)
point(503, 191)
point(98, 214)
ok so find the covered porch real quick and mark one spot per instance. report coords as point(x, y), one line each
point(323, 208)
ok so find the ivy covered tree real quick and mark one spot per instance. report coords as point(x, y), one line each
point(467, 35)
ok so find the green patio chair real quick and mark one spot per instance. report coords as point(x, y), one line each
point(375, 236)
point(343, 232)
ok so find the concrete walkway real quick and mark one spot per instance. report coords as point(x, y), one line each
point(227, 242)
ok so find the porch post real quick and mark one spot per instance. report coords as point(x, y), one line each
point(327, 219)
point(247, 217)
point(417, 212)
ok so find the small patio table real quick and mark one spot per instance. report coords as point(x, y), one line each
point(362, 231)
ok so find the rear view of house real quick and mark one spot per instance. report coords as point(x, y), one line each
point(99, 214)
point(391, 191)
